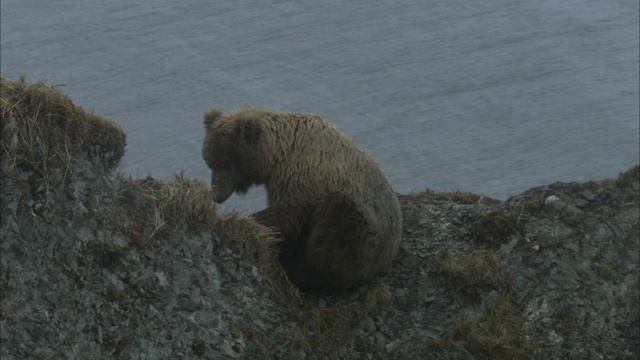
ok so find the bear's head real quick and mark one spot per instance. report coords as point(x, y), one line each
point(231, 149)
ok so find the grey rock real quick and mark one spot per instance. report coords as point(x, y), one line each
point(368, 325)
point(554, 205)
point(587, 195)
point(573, 214)
point(75, 285)
point(379, 340)
point(410, 260)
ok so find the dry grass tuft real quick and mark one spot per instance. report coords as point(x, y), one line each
point(468, 274)
point(178, 202)
point(457, 197)
point(5, 311)
point(564, 321)
point(42, 128)
point(500, 337)
point(535, 201)
point(108, 255)
point(495, 228)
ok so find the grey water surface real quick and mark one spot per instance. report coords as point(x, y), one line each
point(491, 97)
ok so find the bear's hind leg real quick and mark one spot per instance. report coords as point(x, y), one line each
point(336, 252)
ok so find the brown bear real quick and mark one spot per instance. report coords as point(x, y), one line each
point(337, 215)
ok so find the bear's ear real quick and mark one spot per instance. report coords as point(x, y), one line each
point(211, 116)
point(248, 131)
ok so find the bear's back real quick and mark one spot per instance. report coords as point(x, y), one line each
point(317, 158)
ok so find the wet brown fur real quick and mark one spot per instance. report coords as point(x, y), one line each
point(337, 214)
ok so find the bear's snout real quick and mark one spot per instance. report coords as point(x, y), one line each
point(222, 190)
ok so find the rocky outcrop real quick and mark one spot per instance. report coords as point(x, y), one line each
point(97, 265)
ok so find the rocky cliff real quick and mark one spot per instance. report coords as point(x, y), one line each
point(96, 265)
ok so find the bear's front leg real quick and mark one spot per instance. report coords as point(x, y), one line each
point(292, 226)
